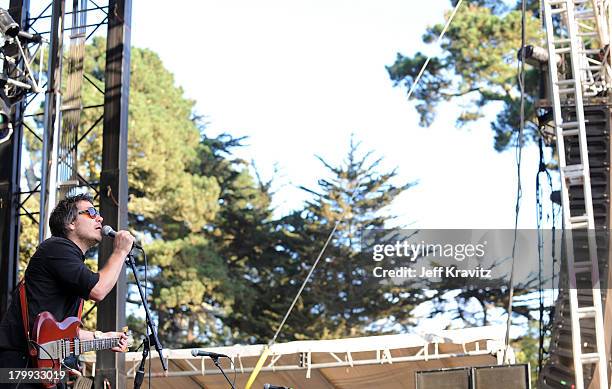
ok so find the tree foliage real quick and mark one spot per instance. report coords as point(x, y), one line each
point(477, 67)
point(343, 298)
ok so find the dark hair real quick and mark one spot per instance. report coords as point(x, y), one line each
point(65, 212)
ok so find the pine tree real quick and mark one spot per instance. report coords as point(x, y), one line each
point(243, 235)
point(343, 298)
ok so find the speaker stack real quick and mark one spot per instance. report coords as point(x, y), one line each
point(482, 377)
point(444, 379)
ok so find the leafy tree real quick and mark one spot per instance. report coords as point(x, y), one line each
point(477, 67)
point(169, 203)
point(162, 149)
point(232, 244)
point(342, 298)
point(28, 241)
point(244, 235)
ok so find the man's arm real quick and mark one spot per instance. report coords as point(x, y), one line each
point(109, 274)
point(85, 335)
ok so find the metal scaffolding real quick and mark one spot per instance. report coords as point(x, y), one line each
point(53, 166)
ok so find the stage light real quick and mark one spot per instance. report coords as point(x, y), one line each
point(6, 128)
point(19, 81)
point(536, 56)
point(8, 26)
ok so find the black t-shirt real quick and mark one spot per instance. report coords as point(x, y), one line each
point(56, 280)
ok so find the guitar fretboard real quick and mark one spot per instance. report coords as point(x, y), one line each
point(98, 344)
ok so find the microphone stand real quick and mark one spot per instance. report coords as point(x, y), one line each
point(129, 260)
point(216, 362)
point(141, 368)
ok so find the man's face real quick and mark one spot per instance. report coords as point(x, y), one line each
point(88, 224)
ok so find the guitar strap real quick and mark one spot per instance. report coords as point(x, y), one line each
point(80, 309)
point(25, 317)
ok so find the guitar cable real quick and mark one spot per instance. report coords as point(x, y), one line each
point(61, 363)
point(39, 347)
point(28, 359)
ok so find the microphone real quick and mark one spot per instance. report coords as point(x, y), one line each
point(108, 231)
point(202, 353)
point(270, 386)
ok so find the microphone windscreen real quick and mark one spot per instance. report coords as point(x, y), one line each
point(194, 353)
point(108, 231)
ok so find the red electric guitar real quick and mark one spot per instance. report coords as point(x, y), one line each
point(58, 345)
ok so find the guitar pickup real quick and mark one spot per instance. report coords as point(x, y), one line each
point(49, 350)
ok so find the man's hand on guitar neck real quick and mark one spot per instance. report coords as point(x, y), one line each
point(124, 342)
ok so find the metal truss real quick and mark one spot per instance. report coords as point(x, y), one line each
point(429, 352)
point(304, 357)
point(51, 128)
point(61, 119)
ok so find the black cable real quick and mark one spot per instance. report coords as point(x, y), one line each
point(544, 325)
point(84, 316)
point(541, 168)
point(216, 362)
point(147, 341)
point(235, 372)
point(45, 350)
point(28, 359)
point(554, 243)
point(519, 150)
point(147, 335)
point(146, 266)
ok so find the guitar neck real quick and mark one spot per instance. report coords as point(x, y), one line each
point(98, 344)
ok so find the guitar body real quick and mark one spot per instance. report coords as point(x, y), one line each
point(58, 345)
point(47, 329)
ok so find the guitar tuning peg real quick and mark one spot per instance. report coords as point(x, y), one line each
point(124, 329)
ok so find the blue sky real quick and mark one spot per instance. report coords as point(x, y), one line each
point(298, 77)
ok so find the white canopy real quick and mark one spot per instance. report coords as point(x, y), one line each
point(388, 361)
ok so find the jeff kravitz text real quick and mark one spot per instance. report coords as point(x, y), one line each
point(434, 272)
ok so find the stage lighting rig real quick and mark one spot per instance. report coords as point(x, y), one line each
point(16, 76)
point(8, 26)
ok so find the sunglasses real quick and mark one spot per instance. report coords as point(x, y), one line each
point(91, 212)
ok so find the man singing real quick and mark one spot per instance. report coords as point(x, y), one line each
point(57, 278)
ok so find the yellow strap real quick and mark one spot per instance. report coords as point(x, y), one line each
point(258, 367)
